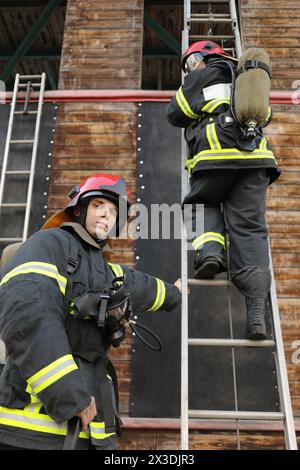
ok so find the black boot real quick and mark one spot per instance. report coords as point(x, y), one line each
point(256, 326)
point(207, 268)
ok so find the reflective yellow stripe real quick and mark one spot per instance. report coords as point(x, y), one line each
point(117, 270)
point(160, 295)
point(228, 154)
point(98, 431)
point(269, 113)
point(35, 422)
point(208, 237)
point(263, 144)
point(184, 106)
point(212, 137)
point(51, 373)
point(26, 419)
point(213, 104)
point(37, 267)
point(35, 404)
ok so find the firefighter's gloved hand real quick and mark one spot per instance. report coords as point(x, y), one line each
point(88, 414)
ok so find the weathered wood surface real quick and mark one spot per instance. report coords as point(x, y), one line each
point(283, 215)
point(274, 25)
point(205, 440)
point(102, 45)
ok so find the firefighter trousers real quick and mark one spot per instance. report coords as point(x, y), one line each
point(242, 195)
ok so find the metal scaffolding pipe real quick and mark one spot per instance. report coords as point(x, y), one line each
point(276, 97)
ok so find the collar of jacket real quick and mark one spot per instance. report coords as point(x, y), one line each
point(84, 235)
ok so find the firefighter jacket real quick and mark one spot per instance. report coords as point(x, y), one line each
point(55, 360)
point(202, 107)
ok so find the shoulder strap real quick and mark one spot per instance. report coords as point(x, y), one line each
point(72, 265)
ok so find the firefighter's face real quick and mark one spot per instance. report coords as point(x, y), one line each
point(101, 217)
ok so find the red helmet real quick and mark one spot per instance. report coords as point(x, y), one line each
point(203, 48)
point(108, 186)
point(111, 187)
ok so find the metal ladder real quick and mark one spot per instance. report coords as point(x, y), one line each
point(285, 415)
point(23, 83)
point(212, 20)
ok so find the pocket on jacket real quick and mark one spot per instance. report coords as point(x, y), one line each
point(12, 387)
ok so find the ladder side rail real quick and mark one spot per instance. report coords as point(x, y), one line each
point(184, 284)
point(186, 20)
point(8, 138)
point(281, 369)
point(33, 157)
point(236, 28)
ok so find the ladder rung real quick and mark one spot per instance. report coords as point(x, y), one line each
point(209, 282)
point(22, 141)
point(17, 172)
point(35, 85)
point(210, 20)
point(210, 15)
point(246, 415)
point(231, 342)
point(29, 77)
point(11, 239)
point(219, 37)
point(26, 112)
point(13, 204)
point(210, 1)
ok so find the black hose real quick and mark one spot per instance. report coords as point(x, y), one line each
point(134, 324)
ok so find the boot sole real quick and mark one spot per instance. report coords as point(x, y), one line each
point(207, 270)
point(257, 335)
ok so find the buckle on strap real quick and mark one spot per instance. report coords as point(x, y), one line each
point(225, 119)
point(254, 64)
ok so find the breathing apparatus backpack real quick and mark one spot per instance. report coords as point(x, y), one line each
point(250, 92)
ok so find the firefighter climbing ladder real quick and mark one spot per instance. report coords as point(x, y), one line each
point(285, 415)
point(23, 83)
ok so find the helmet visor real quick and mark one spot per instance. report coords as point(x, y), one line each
point(194, 62)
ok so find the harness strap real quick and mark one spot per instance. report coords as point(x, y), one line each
point(254, 64)
point(104, 390)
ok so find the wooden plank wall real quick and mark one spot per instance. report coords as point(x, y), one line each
point(102, 49)
point(274, 25)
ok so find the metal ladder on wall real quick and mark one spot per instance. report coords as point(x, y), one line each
point(285, 415)
point(23, 83)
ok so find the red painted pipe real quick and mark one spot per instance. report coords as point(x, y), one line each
point(133, 96)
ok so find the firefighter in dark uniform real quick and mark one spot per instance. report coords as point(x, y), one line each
point(224, 173)
point(50, 292)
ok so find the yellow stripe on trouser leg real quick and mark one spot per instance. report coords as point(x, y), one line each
point(208, 237)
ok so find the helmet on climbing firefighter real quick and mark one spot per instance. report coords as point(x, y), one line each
point(108, 186)
point(200, 51)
